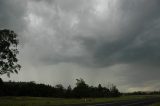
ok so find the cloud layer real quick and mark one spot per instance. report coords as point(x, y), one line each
point(98, 40)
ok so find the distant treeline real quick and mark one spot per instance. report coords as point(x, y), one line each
point(143, 93)
point(41, 90)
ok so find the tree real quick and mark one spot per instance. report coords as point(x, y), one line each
point(59, 90)
point(114, 91)
point(8, 52)
point(68, 92)
point(81, 89)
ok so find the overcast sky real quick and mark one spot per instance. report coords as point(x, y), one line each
point(101, 41)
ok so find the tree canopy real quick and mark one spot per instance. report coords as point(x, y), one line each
point(81, 90)
point(8, 52)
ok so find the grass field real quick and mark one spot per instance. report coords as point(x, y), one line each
point(38, 101)
point(156, 104)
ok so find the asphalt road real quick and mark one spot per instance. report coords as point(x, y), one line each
point(145, 102)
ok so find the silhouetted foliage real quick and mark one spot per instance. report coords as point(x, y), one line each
point(81, 89)
point(41, 90)
point(69, 92)
point(1, 87)
point(8, 52)
point(143, 93)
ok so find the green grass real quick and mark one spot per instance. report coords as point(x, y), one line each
point(38, 101)
point(156, 104)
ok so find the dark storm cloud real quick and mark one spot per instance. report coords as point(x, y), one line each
point(12, 13)
point(104, 41)
point(139, 36)
point(136, 34)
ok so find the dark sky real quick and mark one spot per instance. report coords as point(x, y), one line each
point(101, 41)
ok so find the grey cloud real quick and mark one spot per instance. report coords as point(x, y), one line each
point(141, 26)
point(95, 39)
point(12, 14)
point(141, 77)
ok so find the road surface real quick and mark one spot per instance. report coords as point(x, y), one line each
point(145, 102)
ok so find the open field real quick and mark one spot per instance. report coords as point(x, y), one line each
point(38, 101)
point(156, 104)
